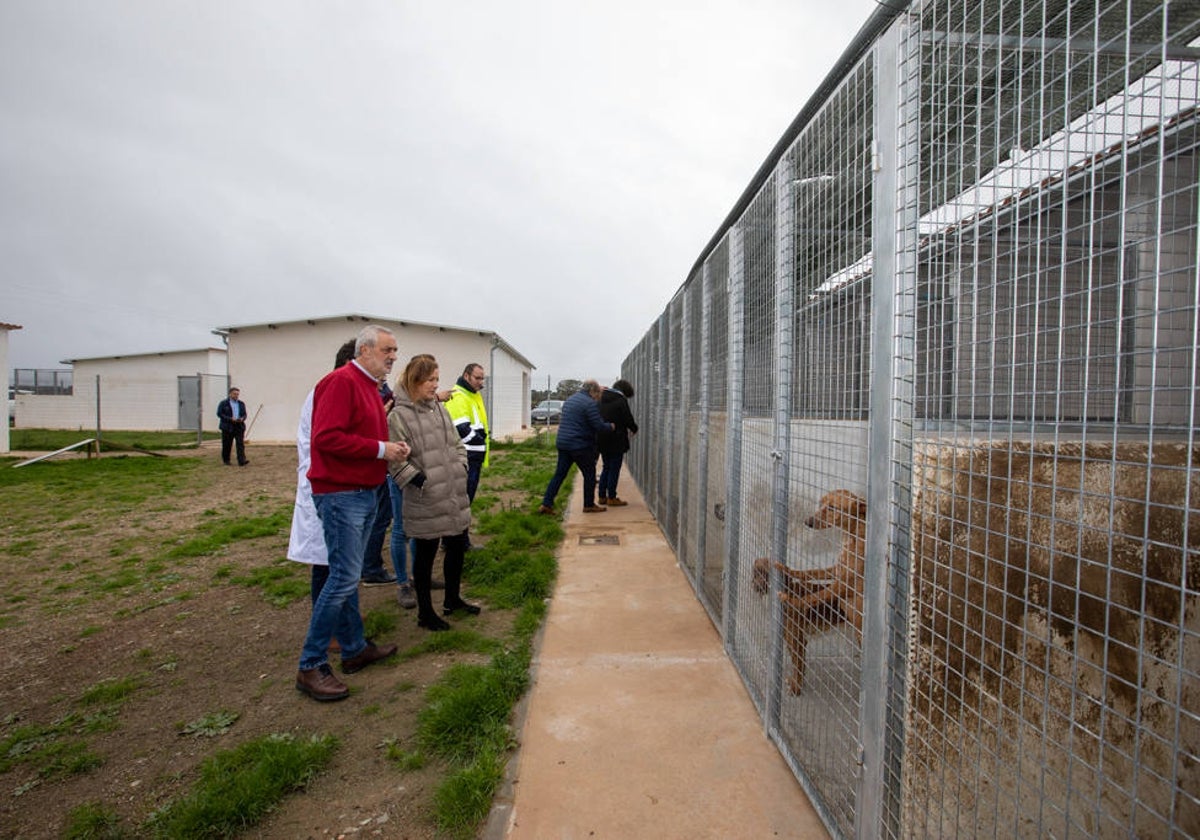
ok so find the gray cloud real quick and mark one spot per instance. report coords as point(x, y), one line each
point(547, 170)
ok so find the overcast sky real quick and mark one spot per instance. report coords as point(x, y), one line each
point(547, 169)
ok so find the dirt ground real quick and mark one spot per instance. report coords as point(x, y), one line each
point(199, 646)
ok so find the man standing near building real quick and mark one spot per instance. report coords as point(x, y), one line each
point(349, 452)
point(470, 419)
point(231, 411)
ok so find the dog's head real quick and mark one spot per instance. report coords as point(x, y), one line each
point(761, 579)
point(840, 509)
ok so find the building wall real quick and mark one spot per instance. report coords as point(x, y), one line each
point(127, 392)
point(276, 365)
point(506, 393)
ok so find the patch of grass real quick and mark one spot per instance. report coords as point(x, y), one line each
point(216, 536)
point(405, 760)
point(237, 787)
point(52, 749)
point(466, 722)
point(457, 639)
point(93, 821)
point(48, 440)
point(465, 797)
point(32, 497)
point(379, 623)
point(19, 548)
point(281, 582)
point(110, 691)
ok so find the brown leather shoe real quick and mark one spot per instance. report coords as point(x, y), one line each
point(371, 654)
point(613, 501)
point(320, 684)
point(601, 500)
point(594, 509)
point(547, 511)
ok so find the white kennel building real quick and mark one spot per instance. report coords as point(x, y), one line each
point(165, 390)
point(276, 364)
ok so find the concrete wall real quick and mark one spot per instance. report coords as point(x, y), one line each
point(138, 392)
point(276, 365)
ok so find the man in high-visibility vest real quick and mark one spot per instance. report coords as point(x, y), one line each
point(470, 419)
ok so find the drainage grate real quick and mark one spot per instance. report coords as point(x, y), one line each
point(599, 539)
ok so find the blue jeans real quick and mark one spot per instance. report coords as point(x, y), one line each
point(585, 459)
point(399, 538)
point(372, 565)
point(609, 474)
point(346, 519)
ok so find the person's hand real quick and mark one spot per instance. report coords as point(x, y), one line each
point(395, 450)
point(444, 396)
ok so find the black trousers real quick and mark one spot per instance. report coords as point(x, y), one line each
point(228, 438)
point(452, 563)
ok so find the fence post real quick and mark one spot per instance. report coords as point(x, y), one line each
point(884, 586)
point(702, 436)
point(785, 317)
point(97, 412)
point(199, 409)
point(735, 389)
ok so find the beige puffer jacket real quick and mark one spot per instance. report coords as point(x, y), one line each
point(440, 507)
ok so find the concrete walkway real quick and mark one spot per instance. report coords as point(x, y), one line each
point(637, 724)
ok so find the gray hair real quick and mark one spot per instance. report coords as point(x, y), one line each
point(591, 386)
point(368, 336)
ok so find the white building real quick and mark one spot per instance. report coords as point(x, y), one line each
point(276, 364)
point(143, 391)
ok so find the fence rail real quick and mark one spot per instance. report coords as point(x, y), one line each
point(921, 425)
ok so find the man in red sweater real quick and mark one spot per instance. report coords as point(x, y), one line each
point(350, 451)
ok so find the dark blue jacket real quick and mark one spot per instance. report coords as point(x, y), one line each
point(579, 423)
point(225, 414)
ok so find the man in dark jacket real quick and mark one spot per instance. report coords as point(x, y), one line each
point(614, 407)
point(576, 444)
point(232, 415)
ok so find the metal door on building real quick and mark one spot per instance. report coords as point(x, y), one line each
point(189, 403)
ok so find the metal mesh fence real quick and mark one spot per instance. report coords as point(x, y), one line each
point(921, 426)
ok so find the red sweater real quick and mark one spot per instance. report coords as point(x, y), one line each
point(348, 424)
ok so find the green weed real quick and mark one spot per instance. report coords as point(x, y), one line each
point(93, 821)
point(218, 535)
point(405, 760)
point(211, 725)
point(110, 691)
point(282, 582)
point(237, 787)
point(379, 623)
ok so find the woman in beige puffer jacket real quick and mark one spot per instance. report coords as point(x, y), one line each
point(434, 481)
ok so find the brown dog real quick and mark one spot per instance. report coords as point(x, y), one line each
point(818, 599)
